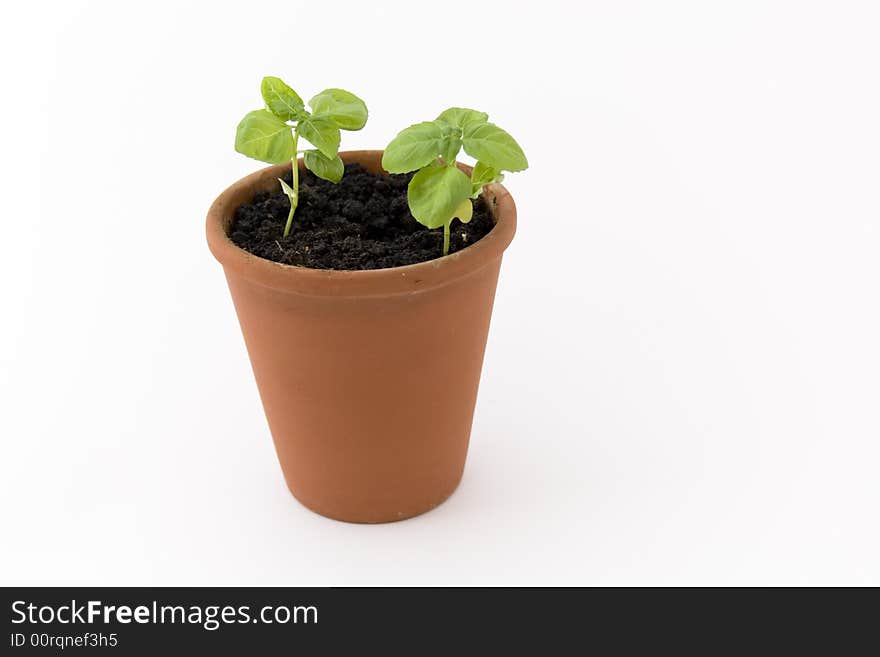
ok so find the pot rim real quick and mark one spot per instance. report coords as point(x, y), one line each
point(407, 279)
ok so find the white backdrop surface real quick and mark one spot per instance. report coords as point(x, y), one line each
point(682, 382)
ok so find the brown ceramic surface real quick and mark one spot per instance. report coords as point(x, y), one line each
point(368, 378)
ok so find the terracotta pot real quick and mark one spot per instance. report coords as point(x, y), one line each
point(368, 378)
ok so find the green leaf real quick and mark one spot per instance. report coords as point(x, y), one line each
point(324, 167)
point(322, 133)
point(489, 143)
point(263, 136)
point(345, 109)
point(436, 193)
point(450, 147)
point(465, 211)
point(281, 100)
point(450, 143)
point(483, 174)
point(461, 116)
point(413, 148)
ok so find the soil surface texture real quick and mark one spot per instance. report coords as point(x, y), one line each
point(361, 222)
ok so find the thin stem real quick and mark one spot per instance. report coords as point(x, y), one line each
point(294, 200)
point(446, 238)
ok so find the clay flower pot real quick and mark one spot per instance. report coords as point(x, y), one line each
point(368, 378)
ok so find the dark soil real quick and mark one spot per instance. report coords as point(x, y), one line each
point(362, 222)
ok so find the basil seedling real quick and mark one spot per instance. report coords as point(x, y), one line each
point(272, 134)
point(440, 191)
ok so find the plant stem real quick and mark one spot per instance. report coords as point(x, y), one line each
point(294, 200)
point(446, 238)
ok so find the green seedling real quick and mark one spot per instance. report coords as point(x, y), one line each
point(272, 134)
point(440, 191)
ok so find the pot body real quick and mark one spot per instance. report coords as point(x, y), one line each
point(368, 378)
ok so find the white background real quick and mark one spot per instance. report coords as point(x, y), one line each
point(682, 383)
